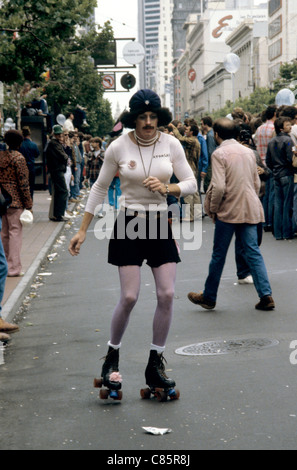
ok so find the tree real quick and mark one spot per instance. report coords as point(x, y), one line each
point(41, 35)
point(288, 76)
point(34, 32)
point(254, 104)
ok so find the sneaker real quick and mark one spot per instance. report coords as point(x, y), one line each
point(266, 303)
point(198, 299)
point(247, 280)
point(8, 327)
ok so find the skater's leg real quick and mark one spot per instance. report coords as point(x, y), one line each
point(130, 287)
point(165, 277)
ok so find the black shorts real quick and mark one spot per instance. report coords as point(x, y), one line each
point(142, 237)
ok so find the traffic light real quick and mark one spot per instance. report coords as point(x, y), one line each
point(128, 81)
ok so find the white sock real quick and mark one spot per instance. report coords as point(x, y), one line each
point(159, 349)
point(114, 346)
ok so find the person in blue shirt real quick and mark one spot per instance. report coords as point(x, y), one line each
point(203, 159)
point(206, 126)
point(31, 152)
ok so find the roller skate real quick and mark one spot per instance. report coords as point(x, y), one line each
point(110, 377)
point(160, 386)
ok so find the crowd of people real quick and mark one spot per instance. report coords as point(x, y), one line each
point(74, 161)
point(273, 138)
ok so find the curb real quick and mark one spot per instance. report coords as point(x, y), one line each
point(16, 298)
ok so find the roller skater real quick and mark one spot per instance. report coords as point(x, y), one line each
point(145, 184)
point(161, 386)
point(110, 376)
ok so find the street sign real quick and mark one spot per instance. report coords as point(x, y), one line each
point(128, 81)
point(108, 81)
point(192, 75)
point(134, 53)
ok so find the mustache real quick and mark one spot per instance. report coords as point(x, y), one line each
point(148, 128)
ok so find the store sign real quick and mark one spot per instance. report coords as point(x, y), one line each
point(222, 24)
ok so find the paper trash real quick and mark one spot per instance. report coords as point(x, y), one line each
point(157, 431)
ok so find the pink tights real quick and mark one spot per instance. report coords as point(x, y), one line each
point(165, 277)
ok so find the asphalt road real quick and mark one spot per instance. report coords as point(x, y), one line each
point(236, 401)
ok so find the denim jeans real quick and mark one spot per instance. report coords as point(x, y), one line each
point(3, 269)
point(248, 235)
point(295, 209)
point(284, 195)
point(243, 269)
point(74, 190)
point(268, 202)
point(114, 192)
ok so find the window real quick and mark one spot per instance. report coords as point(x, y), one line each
point(273, 6)
point(275, 27)
point(275, 50)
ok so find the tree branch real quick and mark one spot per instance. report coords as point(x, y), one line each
point(24, 30)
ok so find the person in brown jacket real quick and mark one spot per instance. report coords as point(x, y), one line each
point(14, 179)
point(232, 202)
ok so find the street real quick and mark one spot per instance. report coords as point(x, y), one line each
point(236, 401)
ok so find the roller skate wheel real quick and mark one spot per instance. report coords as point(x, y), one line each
point(175, 395)
point(116, 394)
point(161, 395)
point(104, 394)
point(145, 393)
point(98, 383)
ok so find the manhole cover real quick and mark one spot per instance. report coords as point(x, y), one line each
point(213, 348)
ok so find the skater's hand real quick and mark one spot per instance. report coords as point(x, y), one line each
point(76, 242)
point(154, 185)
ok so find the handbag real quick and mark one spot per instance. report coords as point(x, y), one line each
point(5, 201)
point(26, 218)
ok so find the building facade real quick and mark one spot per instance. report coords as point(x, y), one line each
point(149, 19)
point(217, 32)
point(165, 56)
point(282, 41)
point(250, 42)
point(181, 11)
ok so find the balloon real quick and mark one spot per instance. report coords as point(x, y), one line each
point(285, 97)
point(232, 63)
point(61, 119)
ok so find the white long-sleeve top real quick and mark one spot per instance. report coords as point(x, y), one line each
point(123, 156)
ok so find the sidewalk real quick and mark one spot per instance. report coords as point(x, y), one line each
point(37, 242)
